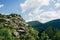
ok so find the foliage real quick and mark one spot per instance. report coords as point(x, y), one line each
point(10, 24)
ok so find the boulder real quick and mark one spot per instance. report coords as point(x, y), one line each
point(16, 34)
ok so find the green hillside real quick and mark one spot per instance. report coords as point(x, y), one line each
point(14, 27)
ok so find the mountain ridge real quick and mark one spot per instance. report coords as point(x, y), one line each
point(54, 23)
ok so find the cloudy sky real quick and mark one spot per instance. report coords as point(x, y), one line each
point(31, 10)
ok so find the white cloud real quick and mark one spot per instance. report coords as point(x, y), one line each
point(33, 4)
point(48, 16)
point(1, 5)
point(57, 5)
point(29, 20)
point(58, 0)
point(30, 14)
point(35, 13)
point(45, 16)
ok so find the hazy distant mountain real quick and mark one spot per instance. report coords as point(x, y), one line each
point(38, 25)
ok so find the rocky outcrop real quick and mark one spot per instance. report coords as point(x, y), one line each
point(14, 27)
point(15, 22)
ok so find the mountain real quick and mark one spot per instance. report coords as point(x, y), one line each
point(54, 23)
point(14, 27)
point(38, 26)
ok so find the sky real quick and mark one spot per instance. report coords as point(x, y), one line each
point(31, 10)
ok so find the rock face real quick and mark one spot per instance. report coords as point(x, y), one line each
point(13, 21)
point(14, 27)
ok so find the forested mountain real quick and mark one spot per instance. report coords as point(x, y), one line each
point(39, 26)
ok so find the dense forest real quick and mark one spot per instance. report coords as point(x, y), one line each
point(14, 27)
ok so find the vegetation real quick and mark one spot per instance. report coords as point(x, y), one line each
point(14, 27)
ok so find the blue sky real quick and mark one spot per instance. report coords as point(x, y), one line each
point(31, 10)
point(11, 6)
